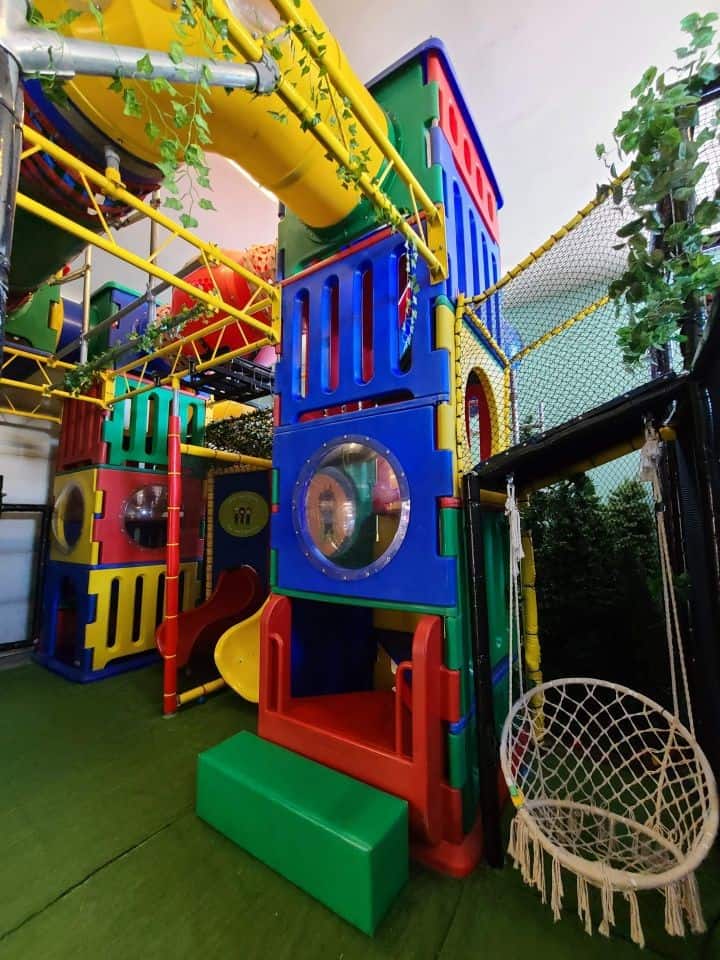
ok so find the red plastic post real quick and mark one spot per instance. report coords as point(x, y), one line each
point(172, 554)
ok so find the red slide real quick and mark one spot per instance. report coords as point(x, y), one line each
point(237, 595)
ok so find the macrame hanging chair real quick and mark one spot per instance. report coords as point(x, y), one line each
point(607, 784)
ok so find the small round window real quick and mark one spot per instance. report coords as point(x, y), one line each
point(352, 508)
point(68, 517)
point(145, 516)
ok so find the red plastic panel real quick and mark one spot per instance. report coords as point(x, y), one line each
point(116, 545)
point(453, 125)
point(237, 595)
point(81, 442)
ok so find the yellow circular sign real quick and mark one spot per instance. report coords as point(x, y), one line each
point(243, 514)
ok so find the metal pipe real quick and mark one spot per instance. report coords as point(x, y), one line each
point(11, 118)
point(87, 293)
point(46, 53)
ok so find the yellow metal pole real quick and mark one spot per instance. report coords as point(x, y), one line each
point(224, 456)
point(553, 239)
point(612, 453)
point(202, 691)
point(289, 10)
point(41, 360)
point(49, 391)
point(30, 414)
point(58, 220)
point(561, 328)
point(111, 189)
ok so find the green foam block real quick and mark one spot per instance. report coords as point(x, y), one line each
point(341, 841)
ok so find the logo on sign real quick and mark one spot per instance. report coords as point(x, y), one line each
point(243, 514)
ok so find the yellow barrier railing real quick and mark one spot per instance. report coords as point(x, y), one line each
point(561, 327)
point(115, 191)
point(551, 241)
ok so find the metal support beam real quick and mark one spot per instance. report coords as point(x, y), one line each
point(41, 52)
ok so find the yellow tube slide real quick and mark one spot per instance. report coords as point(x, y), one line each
point(279, 155)
point(237, 656)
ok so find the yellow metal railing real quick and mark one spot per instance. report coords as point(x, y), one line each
point(46, 388)
point(434, 251)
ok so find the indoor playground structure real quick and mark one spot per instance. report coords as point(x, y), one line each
point(367, 575)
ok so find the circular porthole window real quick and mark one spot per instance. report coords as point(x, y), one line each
point(68, 517)
point(351, 508)
point(144, 516)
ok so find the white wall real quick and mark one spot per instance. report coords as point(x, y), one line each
point(26, 453)
point(545, 79)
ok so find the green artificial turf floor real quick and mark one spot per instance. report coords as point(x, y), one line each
point(102, 857)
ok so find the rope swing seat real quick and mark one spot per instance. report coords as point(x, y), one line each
point(607, 784)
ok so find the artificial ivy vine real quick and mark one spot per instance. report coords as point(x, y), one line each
point(662, 292)
point(162, 330)
point(181, 133)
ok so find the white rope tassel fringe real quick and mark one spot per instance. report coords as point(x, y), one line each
point(674, 921)
point(636, 931)
point(557, 891)
point(583, 902)
point(607, 895)
point(538, 877)
point(692, 905)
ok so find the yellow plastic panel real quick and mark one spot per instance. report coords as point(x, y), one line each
point(66, 489)
point(117, 630)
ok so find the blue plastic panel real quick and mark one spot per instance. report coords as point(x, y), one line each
point(233, 551)
point(134, 322)
point(473, 256)
point(309, 295)
point(416, 574)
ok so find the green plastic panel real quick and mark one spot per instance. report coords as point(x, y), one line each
point(102, 306)
point(457, 759)
point(411, 106)
point(275, 486)
point(341, 841)
point(495, 541)
point(362, 602)
point(31, 321)
point(450, 520)
point(273, 567)
point(142, 437)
